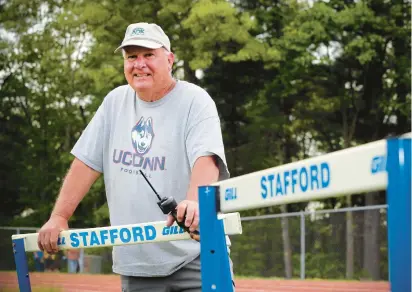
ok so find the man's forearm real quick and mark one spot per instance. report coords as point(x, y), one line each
point(76, 184)
point(204, 172)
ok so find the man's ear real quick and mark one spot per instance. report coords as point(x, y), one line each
point(171, 59)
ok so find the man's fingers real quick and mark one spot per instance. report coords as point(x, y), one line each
point(46, 242)
point(195, 223)
point(39, 241)
point(195, 236)
point(170, 220)
point(190, 213)
point(54, 237)
point(181, 210)
point(49, 234)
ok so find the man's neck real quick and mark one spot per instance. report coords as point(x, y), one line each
point(154, 95)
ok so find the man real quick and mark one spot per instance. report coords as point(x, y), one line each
point(73, 256)
point(170, 130)
point(38, 261)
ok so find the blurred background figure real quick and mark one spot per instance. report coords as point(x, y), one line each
point(50, 262)
point(73, 256)
point(38, 261)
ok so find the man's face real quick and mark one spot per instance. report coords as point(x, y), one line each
point(148, 69)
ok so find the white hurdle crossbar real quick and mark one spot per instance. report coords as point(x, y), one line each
point(109, 236)
point(381, 165)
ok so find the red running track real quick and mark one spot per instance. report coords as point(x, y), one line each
point(106, 283)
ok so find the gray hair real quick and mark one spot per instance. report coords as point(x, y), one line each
point(164, 49)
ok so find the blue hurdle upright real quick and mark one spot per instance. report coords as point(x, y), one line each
point(380, 165)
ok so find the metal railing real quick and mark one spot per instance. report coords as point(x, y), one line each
point(317, 243)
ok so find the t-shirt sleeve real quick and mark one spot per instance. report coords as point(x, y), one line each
point(204, 136)
point(89, 147)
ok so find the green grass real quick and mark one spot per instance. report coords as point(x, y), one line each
point(239, 277)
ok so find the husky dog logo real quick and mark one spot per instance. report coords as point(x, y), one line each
point(142, 136)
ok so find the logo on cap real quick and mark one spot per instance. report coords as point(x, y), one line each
point(138, 31)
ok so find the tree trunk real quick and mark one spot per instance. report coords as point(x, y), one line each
point(189, 74)
point(371, 254)
point(349, 126)
point(287, 249)
point(349, 241)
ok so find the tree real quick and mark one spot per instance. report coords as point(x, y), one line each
point(347, 48)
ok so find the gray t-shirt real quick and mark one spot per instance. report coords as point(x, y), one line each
point(163, 139)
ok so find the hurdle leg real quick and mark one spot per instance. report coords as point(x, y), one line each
point(21, 265)
point(399, 213)
point(214, 258)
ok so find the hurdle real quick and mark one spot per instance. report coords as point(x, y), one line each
point(376, 166)
point(144, 233)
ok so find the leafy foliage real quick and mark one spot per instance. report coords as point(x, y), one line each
point(291, 79)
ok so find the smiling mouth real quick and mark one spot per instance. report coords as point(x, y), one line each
point(141, 75)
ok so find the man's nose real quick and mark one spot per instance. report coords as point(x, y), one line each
point(139, 62)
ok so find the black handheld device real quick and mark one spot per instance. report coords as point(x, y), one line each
point(168, 206)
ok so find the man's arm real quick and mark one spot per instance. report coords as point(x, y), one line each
point(205, 172)
point(76, 184)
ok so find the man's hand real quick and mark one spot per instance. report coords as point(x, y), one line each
point(191, 210)
point(76, 184)
point(49, 233)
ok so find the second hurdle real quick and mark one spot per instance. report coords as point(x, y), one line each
point(380, 165)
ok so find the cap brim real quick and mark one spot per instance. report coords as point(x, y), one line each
point(140, 43)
